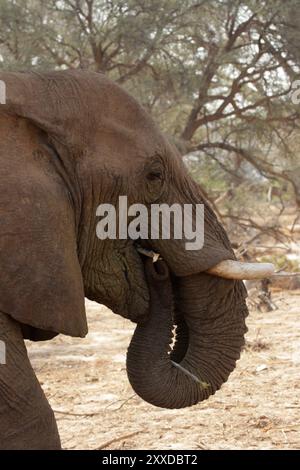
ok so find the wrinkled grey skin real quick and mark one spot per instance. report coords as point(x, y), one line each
point(70, 141)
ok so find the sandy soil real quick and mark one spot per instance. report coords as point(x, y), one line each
point(86, 383)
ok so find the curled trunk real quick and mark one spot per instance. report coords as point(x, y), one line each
point(210, 316)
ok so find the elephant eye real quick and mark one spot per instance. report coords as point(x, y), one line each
point(154, 181)
point(154, 175)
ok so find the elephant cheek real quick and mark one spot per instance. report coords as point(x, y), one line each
point(123, 291)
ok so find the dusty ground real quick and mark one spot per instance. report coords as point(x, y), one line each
point(86, 383)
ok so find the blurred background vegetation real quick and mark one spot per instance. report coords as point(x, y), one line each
point(217, 75)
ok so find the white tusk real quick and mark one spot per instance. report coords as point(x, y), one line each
point(230, 269)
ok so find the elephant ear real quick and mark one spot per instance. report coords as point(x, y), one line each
point(52, 102)
point(41, 283)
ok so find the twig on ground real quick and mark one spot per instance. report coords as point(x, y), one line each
point(122, 404)
point(70, 413)
point(117, 439)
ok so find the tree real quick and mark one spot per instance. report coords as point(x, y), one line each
point(216, 74)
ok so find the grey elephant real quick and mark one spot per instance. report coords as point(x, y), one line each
point(70, 141)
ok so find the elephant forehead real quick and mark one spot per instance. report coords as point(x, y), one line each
point(123, 130)
point(113, 103)
point(122, 146)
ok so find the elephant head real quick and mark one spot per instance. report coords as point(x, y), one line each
point(71, 141)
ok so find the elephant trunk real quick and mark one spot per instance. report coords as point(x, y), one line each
point(210, 316)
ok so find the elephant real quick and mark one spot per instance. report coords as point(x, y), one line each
point(71, 140)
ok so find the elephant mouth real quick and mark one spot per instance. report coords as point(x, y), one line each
point(192, 338)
